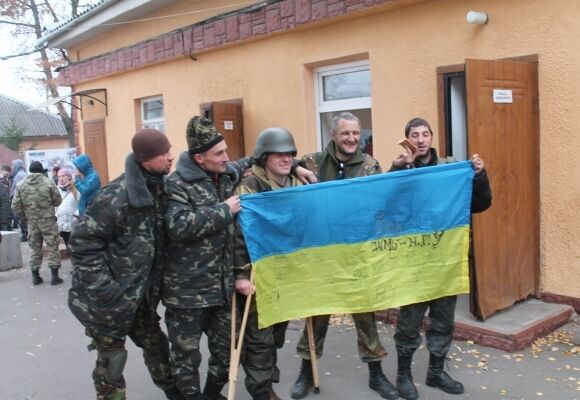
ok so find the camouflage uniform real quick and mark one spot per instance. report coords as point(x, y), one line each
point(259, 358)
point(34, 201)
point(117, 250)
point(326, 166)
point(198, 279)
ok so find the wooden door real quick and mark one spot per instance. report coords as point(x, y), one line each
point(506, 135)
point(227, 118)
point(96, 147)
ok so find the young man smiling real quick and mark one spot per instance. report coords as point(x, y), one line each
point(274, 156)
point(442, 310)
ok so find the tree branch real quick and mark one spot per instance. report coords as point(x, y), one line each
point(26, 53)
point(3, 21)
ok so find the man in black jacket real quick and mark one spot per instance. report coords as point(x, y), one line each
point(117, 251)
point(442, 310)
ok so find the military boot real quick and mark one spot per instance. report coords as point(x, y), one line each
point(174, 394)
point(304, 382)
point(55, 280)
point(436, 377)
point(379, 382)
point(212, 390)
point(36, 278)
point(272, 394)
point(261, 396)
point(407, 389)
point(195, 396)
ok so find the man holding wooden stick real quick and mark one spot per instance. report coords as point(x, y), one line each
point(274, 156)
point(198, 279)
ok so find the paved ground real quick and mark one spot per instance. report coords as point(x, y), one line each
point(44, 357)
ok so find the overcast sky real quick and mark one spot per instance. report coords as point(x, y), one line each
point(17, 74)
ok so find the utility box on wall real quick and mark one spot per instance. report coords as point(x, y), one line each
point(227, 118)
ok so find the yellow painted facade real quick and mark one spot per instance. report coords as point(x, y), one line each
point(40, 143)
point(404, 44)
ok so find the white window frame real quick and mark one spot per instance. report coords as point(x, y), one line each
point(155, 123)
point(337, 105)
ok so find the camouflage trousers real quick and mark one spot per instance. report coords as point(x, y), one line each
point(146, 333)
point(39, 231)
point(440, 332)
point(185, 327)
point(259, 352)
point(369, 345)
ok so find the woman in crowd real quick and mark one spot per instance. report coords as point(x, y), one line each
point(69, 208)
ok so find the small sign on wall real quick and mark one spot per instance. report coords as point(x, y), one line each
point(502, 96)
point(229, 125)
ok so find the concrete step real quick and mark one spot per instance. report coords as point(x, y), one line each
point(512, 329)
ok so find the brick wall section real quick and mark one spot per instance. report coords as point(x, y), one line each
point(247, 23)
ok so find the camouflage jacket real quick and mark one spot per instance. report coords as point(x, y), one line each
point(116, 250)
point(35, 197)
point(256, 183)
point(200, 228)
point(325, 165)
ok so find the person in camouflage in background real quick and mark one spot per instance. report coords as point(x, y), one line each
point(274, 154)
point(34, 201)
point(343, 159)
point(117, 250)
point(198, 279)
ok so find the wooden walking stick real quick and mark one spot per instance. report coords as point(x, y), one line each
point(313, 360)
point(237, 351)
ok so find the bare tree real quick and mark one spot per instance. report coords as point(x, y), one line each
point(27, 19)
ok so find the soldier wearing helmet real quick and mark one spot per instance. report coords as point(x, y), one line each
point(274, 156)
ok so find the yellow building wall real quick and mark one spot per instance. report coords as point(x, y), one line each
point(274, 78)
point(41, 143)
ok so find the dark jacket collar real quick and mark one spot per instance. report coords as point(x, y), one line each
point(189, 171)
point(433, 161)
point(356, 158)
point(137, 192)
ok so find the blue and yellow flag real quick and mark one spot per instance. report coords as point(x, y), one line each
point(360, 244)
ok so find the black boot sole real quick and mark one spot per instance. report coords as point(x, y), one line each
point(446, 390)
point(394, 396)
point(298, 396)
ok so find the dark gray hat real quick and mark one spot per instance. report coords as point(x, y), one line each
point(36, 167)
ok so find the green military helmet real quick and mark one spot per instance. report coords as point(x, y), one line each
point(274, 140)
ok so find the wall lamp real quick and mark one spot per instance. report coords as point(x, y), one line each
point(477, 17)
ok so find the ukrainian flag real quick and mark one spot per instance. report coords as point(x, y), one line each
point(359, 245)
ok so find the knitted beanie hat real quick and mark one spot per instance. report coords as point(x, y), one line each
point(201, 135)
point(36, 167)
point(148, 144)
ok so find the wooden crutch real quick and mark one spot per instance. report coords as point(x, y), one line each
point(235, 352)
point(313, 360)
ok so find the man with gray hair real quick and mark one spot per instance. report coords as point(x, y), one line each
point(343, 159)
